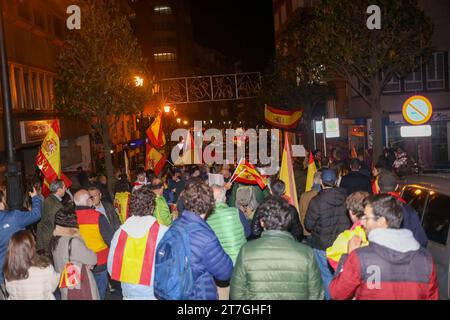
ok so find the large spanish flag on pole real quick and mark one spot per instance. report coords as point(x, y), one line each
point(48, 159)
point(155, 133)
point(154, 160)
point(312, 169)
point(287, 174)
point(283, 119)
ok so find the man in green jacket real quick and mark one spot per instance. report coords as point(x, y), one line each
point(275, 266)
point(226, 224)
point(162, 211)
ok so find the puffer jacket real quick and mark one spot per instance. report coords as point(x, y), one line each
point(392, 267)
point(276, 267)
point(208, 259)
point(226, 224)
point(327, 217)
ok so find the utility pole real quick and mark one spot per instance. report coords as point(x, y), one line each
point(13, 169)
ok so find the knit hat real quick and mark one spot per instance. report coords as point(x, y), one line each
point(66, 217)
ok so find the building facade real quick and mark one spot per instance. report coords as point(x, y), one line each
point(431, 80)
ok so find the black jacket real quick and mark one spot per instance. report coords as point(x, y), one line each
point(111, 213)
point(296, 228)
point(356, 181)
point(327, 217)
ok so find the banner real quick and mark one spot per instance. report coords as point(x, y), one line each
point(155, 133)
point(283, 119)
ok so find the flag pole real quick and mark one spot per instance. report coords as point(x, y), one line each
point(231, 181)
point(236, 169)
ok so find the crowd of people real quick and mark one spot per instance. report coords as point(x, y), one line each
point(174, 236)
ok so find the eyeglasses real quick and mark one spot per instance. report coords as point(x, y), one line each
point(368, 218)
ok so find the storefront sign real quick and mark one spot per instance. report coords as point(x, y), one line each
point(332, 128)
point(415, 131)
point(34, 131)
point(417, 110)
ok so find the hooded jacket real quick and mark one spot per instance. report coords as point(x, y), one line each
point(136, 227)
point(392, 267)
point(327, 217)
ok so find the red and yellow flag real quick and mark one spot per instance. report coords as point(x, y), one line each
point(287, 174)
point(191, 153)
point(283, 119)
point(48, 159)
point(155, 133)
point(354, 153)
point(154, 160)
point(312, 169)
point(133, 257)
point(246, 173)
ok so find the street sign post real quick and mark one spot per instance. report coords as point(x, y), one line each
point(417, 110)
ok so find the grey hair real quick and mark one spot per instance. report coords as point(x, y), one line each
point(55, 185)
point(219, 193)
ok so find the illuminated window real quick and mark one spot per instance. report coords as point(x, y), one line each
point(162, 10)
point(165, 56)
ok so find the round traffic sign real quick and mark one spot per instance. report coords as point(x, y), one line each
point(417, 110)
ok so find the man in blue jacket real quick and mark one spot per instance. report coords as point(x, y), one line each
point(13, 221)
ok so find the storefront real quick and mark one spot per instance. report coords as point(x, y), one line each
point(433, 151)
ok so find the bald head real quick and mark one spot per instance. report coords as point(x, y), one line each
point(219, 193)
point(81, 198)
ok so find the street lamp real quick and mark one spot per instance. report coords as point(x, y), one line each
point(167, 108)
point(185, 122)
point(138, 81)
point(178, 120)
point(13, 173)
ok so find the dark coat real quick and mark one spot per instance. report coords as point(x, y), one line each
point(111, 213)
point(46, 226)
point(327, 217)
point(356, 181)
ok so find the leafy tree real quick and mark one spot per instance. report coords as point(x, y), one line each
point(290, 82)
point(339, 42)
point(96, 71)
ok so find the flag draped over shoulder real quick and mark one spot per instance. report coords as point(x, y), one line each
point(287, 174)
point(283, 119)
point(246, 173)
point(312, 169)
point(154, 159)
point(48, 159)
point(155, 133)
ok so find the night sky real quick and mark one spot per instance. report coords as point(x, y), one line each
point(239, 29)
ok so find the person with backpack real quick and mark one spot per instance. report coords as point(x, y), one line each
point(189, 256)
point(132, 253)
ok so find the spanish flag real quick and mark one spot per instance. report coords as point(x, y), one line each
point(287, 174)
point(311, 171)
point(48, 159)
point(376, 186)
point(283, 119)
point(246, 173)
point(155, 133)
point(121, 204)
point(154, 160)
point(133, 257)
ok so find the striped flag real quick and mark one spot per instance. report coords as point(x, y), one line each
point(247, 173)
point(48, 159)
point(283, 119)
point(354, 153)
point(287, 174)
point(312, 169)
point(155, 133)
point(154, 160)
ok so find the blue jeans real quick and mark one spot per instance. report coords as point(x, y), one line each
point(325, 271)
point(101, 278)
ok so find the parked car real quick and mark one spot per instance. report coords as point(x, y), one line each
point(429, 194)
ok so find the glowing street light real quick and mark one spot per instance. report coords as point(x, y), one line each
point(167, 108)
point(178, 120)
point(138, 81)
point(185, 122)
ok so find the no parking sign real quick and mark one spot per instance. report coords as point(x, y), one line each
point(417, 110)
